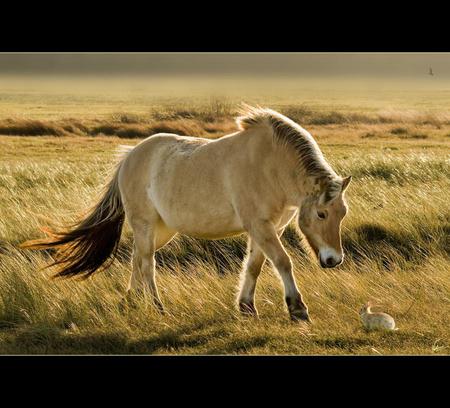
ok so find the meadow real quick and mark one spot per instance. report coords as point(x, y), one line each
point(57, 144)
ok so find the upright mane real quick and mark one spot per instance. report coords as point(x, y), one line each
point(288, 133)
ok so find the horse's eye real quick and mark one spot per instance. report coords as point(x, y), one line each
point(322, 215)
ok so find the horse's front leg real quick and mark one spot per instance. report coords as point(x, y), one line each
point(252, 268)
point(265, 236)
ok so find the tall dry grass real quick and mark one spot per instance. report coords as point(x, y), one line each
point(396, 239)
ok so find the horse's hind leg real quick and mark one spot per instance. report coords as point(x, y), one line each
point(143, 274)
point(148, 238)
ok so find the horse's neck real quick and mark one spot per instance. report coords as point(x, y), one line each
point(294, 181)
point(295, 184)
point(291, 179)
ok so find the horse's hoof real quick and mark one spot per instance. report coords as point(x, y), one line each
point(300, 316)
point(297, 309)
point(248, 309)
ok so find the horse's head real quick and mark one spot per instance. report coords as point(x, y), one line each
point(320, 220)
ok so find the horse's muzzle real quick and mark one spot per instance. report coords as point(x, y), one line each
point(330, 262)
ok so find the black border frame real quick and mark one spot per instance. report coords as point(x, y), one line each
point(377, 29)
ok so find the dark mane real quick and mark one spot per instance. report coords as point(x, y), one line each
point(287, 132)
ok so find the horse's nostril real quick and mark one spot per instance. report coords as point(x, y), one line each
point(330, 261)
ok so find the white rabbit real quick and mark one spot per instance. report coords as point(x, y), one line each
point(376, 320)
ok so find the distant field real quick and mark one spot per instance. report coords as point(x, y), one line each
point(57, 142)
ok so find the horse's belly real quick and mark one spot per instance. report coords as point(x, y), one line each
point(213, 234)
point(202, 223)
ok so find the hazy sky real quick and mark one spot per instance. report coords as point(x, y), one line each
point(400, 64)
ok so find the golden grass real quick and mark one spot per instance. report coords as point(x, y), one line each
point(396, 239)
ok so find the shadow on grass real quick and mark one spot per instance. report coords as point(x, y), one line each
point(50, 340)
point(42, 339)
point(377, 242)
point(349, 344)
point(54, 339)
point(242, 345)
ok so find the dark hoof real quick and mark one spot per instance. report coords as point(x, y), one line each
point(297, 310)
point(300, 316)
point(248, 309)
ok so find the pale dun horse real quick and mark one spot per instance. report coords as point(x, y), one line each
point(253, 181)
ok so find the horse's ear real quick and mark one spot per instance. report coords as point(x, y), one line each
point(345, 183)
point(330, 192)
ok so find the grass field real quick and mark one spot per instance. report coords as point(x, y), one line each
point(57, 144)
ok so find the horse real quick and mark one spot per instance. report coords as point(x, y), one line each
point(253, 181)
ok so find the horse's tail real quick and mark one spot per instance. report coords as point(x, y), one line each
point(91, 242)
